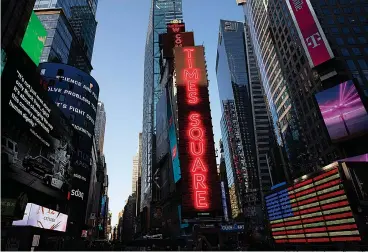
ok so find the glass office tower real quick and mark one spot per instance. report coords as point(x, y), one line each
point(71, 26)
point(162, 12)
point(277, 85)
point(236, 73)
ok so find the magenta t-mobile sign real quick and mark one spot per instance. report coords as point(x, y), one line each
point(310, 32)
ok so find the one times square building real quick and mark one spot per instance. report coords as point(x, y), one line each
point(161, 13)
point(291, 81)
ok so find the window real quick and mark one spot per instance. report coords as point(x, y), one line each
point(334, 30)
point(356, 29)
point(362, 40)
point(363, 65)
point(356, 51)
point(345, 52)
point(339, 41)
point(330, 20)
point(326, 11)
point(341, 19)
point(351, 41)
point(345, 30)
point(351, 65)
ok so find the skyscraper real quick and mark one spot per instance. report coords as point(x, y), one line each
point(161, 13)
point(291, 79)
point(71, 27)
point(135, 172)
point(100, 126)
point(244, 121)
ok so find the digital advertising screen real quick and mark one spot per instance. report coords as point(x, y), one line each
point(314, 41)
point(173, 141)
point(37, 141)
point(42, 217)
point(162, 141)
point(343, 111)
point(34, 38)
point(315, 209)
point(201, 194)
point(76, 94)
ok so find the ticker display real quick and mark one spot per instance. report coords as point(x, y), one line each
point(201, 194)
point(314, 210)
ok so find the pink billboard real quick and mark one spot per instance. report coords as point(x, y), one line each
point(310, 32)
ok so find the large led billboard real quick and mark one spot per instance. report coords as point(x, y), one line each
point(34, 38)
point(313, 39)
point(37, 141)
point(173, 141)
point(343, 111)
point(315, 209)
point(201, 194)
point(76, 94)
point(162, 142)
point(42, 217)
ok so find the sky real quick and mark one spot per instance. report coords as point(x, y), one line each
point(118, 60)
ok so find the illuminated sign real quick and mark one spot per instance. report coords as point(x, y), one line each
point(175, 27)
point(201, 192)
point(171, 40)
point(34, 38)
point(310, 32)
point(37, 139)
point(42, 217)
point(313, 210)
point(343, 111)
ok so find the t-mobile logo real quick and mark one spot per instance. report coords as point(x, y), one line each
point(313, 40)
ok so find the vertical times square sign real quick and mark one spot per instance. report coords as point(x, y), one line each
point(200, 186)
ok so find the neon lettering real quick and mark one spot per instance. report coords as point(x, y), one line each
point(201, 199)
point(199, 180)
point(196, 134)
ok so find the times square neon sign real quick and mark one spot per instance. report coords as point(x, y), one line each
point(196, 133)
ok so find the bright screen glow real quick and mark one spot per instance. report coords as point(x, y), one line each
point(343, 111)
point(34, 39)
point(42, 217)
point(314, 210)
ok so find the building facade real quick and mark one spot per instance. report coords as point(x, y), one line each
point(100, 126)
point(238, 122)
point(161, 13)
point(135, 172)
point(71, 27)
point(290, 81)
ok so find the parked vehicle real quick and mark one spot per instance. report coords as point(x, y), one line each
point(9, 150)
point(38, 164)
point(56, 181)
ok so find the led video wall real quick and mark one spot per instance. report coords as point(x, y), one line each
point(343, 111)
point(314, 210)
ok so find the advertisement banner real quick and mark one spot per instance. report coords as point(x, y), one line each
point(201, 194)
point(173, 142)
point(223, 199)
point(310, 32)
point(34, 38)
point(343, 111)
point(76, 94)
point(162, 141)
point(175, 27)
point(322, 215)
point(37, 140)
point(42, 217)
point(171, 40)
